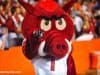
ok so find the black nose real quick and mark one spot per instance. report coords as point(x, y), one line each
point(60, 47)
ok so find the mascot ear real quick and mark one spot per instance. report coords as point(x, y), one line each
point(67, 6)
point(29, 8)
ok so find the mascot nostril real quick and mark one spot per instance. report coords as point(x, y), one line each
point(64, 47)
point(61, 47)
point(48, 29)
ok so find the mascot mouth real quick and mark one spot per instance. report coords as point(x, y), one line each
point(56, 49)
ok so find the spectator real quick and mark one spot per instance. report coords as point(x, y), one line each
point(87, 30)
point(97, 17)
point(5, 38)
point(14, 26)
point(97, 28)
point(78, 22)
point(2, 15)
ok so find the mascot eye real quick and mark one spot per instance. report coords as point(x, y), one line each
point(45, 25)
point(61, 24)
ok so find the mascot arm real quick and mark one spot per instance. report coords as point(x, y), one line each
point(27, 50)
point(71, 66)
point(30, 46)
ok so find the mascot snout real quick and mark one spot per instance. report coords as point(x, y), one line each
point(56, 46)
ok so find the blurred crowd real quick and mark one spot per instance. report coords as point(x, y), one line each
point(11, 17)
point(86, 18)
point(85, 14)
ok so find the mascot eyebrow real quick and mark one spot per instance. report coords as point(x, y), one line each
point(51, 18)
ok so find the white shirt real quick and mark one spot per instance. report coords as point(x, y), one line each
point(43, 66)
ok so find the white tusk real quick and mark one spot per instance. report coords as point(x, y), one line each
point(69, 47)
point(41, 49)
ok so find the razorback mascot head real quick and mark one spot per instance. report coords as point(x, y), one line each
point(47, 29)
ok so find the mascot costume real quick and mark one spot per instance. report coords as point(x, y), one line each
point(48, 29)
